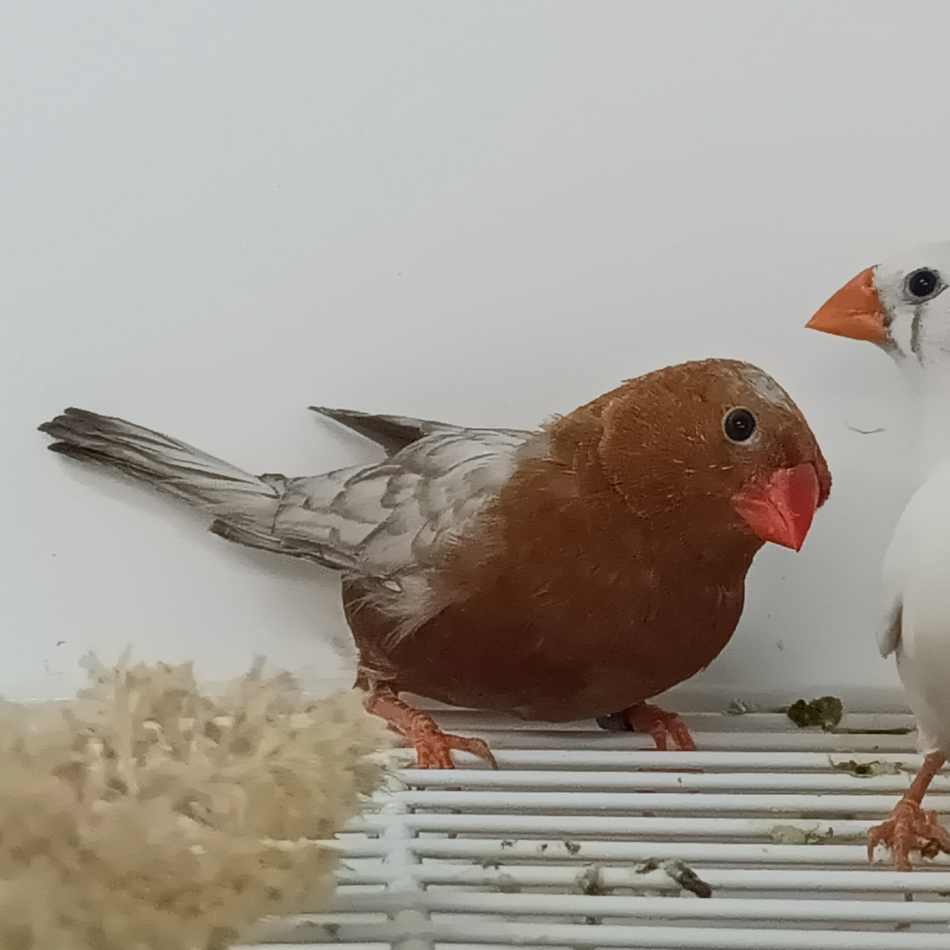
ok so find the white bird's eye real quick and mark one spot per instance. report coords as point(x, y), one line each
point(923, 284)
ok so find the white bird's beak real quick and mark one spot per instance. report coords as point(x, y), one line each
point(855, 311)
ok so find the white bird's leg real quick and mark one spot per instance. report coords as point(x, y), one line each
point(433, 746)
point(911, 828)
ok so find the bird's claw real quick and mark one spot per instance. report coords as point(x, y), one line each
point(433, 746)
point(668, 730)
point(909, 828)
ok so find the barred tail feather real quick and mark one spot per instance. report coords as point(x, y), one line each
point(166, 464)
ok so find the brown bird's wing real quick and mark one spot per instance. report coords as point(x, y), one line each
point(391, 432)
point(390, 520)
point(382, 524)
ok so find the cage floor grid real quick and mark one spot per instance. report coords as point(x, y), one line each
point(585, 838)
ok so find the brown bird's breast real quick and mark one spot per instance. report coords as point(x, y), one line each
point(567, 607)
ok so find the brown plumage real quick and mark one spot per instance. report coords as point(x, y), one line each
point(562, 574)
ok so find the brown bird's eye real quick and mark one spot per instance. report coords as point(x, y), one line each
point(923, 283)
point(739, 425)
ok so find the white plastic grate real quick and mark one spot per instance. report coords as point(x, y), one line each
point(569, 844)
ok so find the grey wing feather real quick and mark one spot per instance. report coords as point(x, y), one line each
point(380, 522)
point(394, 517)
point(391, 432)
point(395, 433)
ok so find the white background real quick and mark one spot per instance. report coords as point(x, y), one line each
point(216, 214)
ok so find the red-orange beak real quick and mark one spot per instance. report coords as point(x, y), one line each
point(854, 311)
point(782, 510)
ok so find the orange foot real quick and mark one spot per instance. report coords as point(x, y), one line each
point(433, 746)
point(668, 730)
point(910, 828)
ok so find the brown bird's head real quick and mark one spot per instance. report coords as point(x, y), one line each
point(719, 442)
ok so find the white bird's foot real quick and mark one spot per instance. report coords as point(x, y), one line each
point(910, 828)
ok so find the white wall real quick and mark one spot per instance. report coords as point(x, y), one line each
point(216, 214)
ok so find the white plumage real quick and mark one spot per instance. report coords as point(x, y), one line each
point(916, 617)
point(903, 305)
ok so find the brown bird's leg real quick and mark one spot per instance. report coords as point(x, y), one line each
point(668, 730)
point(433, 746)
point(910, 827)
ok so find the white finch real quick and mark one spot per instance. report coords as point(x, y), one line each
point(902, 307)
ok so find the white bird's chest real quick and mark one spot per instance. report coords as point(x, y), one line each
point(917, 575)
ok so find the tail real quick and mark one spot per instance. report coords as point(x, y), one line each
point(238, 500)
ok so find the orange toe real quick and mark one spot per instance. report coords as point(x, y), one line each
point(668, 730)
point(909, 829)
point(433, 747)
